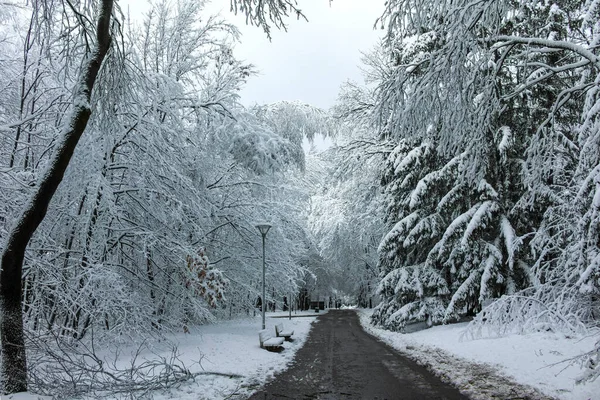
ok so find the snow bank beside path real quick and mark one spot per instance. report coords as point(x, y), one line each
point(232, 347)
point(489, 368)
point(226, 355)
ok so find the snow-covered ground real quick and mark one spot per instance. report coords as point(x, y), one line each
point(227, 353)
point(538, 362)
point(482, 369)
point(232, 347)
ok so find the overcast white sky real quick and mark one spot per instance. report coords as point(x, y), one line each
point(312, 59)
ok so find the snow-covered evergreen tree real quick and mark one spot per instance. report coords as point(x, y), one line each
point(492, 124)
point(503, 95)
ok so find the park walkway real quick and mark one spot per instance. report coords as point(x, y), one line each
point(341, 361)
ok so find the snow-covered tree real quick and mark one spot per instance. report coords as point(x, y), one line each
point(14, 366)
point(346, 204)
point(498, 102)
point(151, 181)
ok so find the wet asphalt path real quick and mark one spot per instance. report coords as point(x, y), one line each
point(341, 361)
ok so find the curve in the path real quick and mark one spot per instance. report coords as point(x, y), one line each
point(341, 361)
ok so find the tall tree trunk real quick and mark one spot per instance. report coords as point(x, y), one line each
point(14, 364)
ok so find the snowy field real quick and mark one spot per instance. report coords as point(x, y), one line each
point(540, 362)
point(228, 354)
point(232, 348)
point(234, 366)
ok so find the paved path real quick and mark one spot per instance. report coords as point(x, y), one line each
point(341, 361)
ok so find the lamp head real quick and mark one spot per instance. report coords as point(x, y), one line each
point(263, 228)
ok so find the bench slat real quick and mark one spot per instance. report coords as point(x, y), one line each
point(273, 342)
point(267, 340)
point(280, 332)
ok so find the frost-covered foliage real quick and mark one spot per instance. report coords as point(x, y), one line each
point(346, 218)
point(261, 150)
point(454, 231)
point(170, 164)
point(265, 13)
point(347, 211)
point(270, 137)
point(207, 281)
point(530, 310)
point(295, 121)
point(494, 110)
point(413, 293)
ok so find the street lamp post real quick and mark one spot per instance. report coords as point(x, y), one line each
point(290, 300)
point(263, 228)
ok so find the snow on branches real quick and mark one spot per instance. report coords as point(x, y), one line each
point(447, 225)
point(512, 87)
point(206, 281)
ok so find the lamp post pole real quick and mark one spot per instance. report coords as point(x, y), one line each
point(264, 299)
point(263, 228)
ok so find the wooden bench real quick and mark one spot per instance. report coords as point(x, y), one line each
point(281, 333)
point(269, 342)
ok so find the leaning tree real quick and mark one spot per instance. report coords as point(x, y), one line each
point(262, 13)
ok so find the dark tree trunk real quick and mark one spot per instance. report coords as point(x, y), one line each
point(14, 364)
